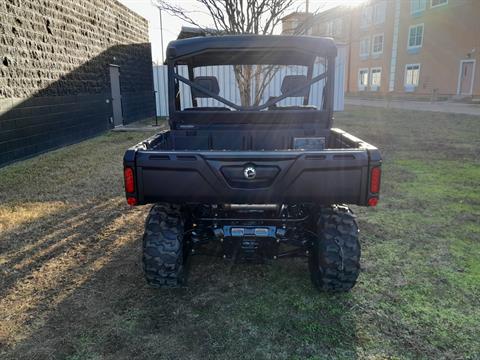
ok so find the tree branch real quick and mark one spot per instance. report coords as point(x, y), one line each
point(244, 17)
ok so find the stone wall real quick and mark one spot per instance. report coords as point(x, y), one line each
point(54, 71)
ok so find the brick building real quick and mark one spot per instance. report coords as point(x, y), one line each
point(69, 70)
point(406, 48)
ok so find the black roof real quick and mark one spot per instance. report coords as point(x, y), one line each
point(190, 31)
point(250, 49)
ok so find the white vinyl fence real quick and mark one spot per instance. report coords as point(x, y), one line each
point(229, 89)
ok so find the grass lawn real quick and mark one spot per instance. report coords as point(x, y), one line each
point(71, 285)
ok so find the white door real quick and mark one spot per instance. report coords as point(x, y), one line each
point(467, 69)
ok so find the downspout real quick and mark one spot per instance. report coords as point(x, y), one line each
point(393, 60)
point(349, 63)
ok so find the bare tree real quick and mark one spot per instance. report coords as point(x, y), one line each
point(243, 17)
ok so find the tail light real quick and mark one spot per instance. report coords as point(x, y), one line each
point(373, 201)
point(129, 185)
point(129, 180)
point(375, 175)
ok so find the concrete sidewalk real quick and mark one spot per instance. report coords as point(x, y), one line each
point(143, 125)
point(446, 106)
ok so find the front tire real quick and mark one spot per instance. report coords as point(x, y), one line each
point(163, 247)
point(334, 261)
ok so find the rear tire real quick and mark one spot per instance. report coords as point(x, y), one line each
point(335, 258)
point(163, 247)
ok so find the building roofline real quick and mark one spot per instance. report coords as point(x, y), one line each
point(132, 12)
point(297, 13)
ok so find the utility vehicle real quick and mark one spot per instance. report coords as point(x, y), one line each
point(252, 182)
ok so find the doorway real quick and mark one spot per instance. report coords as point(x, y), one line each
point(116, 95)
point(466, 77)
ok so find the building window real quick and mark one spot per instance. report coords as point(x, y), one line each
point(415, 36)
point(435, 3)
point(329, 28)
point(366, 18)
point(362, 79)
point(417, 7)
point(364, 47)
point(294, 24)
point(377, 44)
point(375, 78)
point(379, 13)
point(334, 27)
point(412, 76)
point(338, 26)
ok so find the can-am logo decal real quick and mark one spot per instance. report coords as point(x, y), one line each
point(250, 173)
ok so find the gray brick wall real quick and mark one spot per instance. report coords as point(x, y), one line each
point(54, 71)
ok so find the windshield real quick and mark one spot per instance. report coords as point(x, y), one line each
point(263, 87)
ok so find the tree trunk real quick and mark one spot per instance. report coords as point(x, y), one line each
point(243, 77)
point(253, 78)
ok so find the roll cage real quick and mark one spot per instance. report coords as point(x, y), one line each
point(250, 50)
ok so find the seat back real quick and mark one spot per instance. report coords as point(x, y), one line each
point(209, 83)
point(292, 82)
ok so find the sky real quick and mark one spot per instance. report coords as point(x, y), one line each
point(171, 25)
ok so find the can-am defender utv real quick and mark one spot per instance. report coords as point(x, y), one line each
point(254, 182)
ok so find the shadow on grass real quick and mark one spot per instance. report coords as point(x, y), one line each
point(36, 242)
point(77, 291)
point(48, 260)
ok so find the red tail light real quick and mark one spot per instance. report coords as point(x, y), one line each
point(375, 175)
point(129, 180)
point(372, 202)
point(131, 201)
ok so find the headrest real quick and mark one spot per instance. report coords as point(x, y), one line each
point(209, 83)
point(292, 82)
